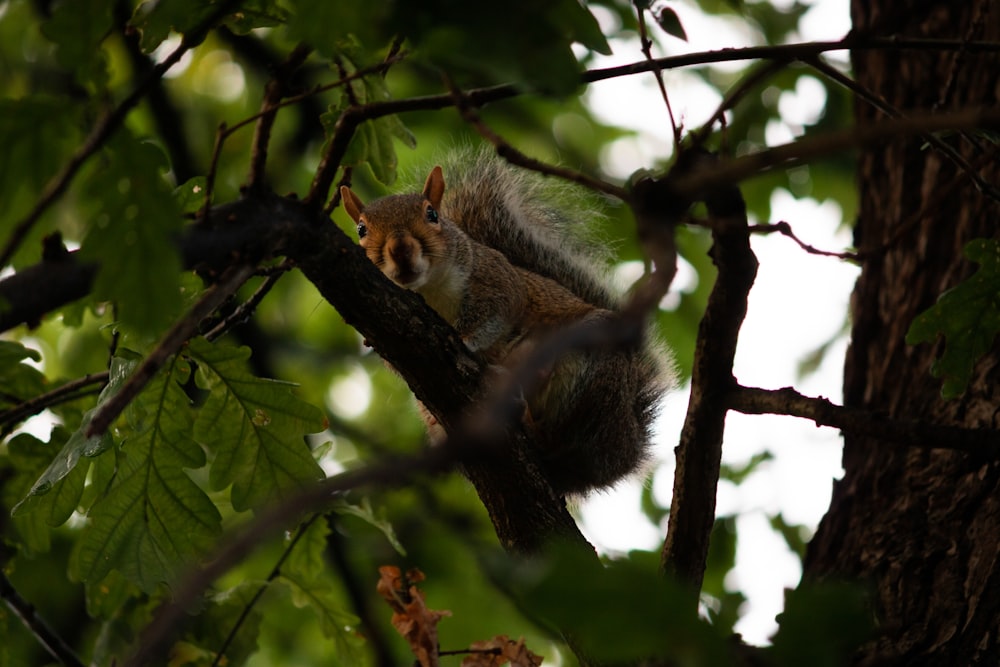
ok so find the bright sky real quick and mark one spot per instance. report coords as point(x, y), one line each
point(798, 303)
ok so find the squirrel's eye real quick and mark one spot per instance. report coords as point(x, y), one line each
point(431, 214)
point(362, 230)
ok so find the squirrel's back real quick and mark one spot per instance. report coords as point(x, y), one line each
point(538, 223)
point(593, 414)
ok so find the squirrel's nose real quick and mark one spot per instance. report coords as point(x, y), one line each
point(402, 250)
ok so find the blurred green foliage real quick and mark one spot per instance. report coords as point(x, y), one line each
point(108, 523)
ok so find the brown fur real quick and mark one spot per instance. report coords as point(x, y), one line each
point(592, 415)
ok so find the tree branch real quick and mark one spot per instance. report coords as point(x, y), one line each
point(785, 229)
point(274, 91)
point(103, 130)
point(268, 523)
point(275, 572)
point(67, 392)
point(24, 610)
point(178, 334)
point(356, 594)
point(983, 442)
point(879, 103)
point(699, 454)
point(801, 150)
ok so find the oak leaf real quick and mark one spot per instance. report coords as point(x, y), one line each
point(410, 616)
point(499, 651)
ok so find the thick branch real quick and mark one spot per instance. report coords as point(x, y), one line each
point(444, 376)
point(692, 510)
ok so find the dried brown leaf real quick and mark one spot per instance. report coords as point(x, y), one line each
point(411, 617)
point(499, 651)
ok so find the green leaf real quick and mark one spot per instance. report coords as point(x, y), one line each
point(365, 512)
point(326, 25)
point(78, 28)
point(737, 474)
point(724, 611)
point(581, 26)
point(796, 536)
point(190, 195)
point(20, 381)
point(155, 20)
point(821, 625)
point(667, 19)
point(29, 456)
point(218, 620)
point(255, 426)
point(79, 445)
point(721, 555)
point(967, 316)
point(154, 519)
point(132, 235)
point(307, 563)
point(653, 624)
point(37, 134)
point(655, 512)
point(321, 597)
point(255, 14)
point(307, 575)
point(372, 143)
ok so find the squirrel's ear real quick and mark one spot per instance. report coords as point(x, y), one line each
point(434, 187)
point(352, 204)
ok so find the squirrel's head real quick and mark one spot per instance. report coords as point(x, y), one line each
point(401, 234)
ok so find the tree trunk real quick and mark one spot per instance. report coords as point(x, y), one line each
point(920, 527)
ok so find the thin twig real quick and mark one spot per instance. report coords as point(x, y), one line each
point(879, 103)
point(246, 309)
point(321, 88)
point(68, 392)
point(646, 45)
point(220, 138)
point(785, 229)
point(359, 601)
point(269, 522)
point(275, 90)
point(797, 51)
point(275, 573)
point(514, 156)
point(345, 179)
point(735, 94)
point(41, 631)
point(806, 148)
point(182, 330)
point(103, 130)
point(907, 433)
point(958, 57)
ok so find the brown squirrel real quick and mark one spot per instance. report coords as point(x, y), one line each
point(490, 257)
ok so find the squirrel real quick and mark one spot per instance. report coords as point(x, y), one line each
point(491, 256)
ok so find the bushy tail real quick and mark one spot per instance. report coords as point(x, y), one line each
point(539, 223)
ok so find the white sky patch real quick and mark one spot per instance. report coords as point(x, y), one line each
point(798, 303)
point(350, 395)
point(168, 46)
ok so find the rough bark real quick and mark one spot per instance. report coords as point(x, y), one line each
point(920, 526)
